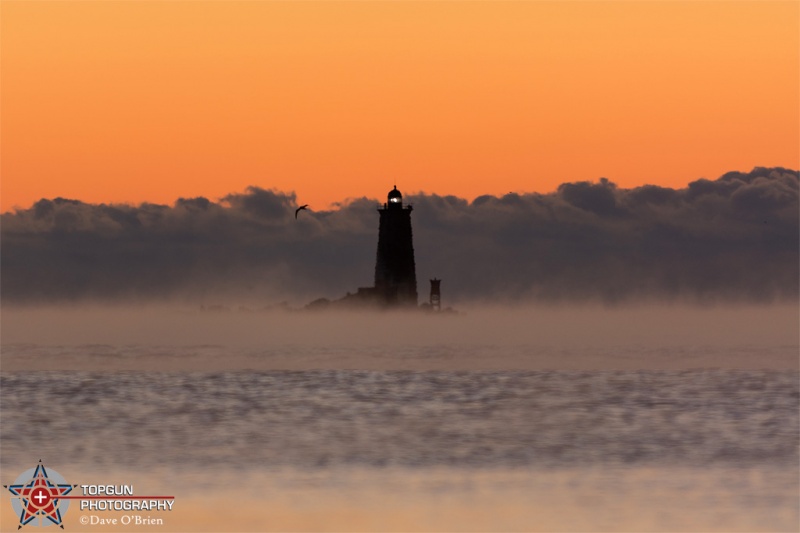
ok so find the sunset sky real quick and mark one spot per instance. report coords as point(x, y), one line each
point(151, 101)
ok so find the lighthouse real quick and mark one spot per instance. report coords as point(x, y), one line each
point(395, 271)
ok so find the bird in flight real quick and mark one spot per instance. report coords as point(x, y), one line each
point(297, 211)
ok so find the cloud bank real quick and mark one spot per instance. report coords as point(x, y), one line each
point(730, 239)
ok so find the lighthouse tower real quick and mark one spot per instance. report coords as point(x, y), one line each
point(395, 272)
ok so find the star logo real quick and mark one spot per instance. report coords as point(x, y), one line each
point(37, 495)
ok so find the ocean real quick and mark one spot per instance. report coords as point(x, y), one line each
point(422, 436)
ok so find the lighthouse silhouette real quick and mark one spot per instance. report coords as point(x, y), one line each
point(395, 271)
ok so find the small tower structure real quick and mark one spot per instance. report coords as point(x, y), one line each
point(395, 270)
point(436, 295)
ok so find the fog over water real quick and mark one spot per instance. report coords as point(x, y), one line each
point(480, 337)
point(527, 418)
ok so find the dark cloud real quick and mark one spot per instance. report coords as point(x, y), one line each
point(730, 239)
point(261, 204)
point(599, 198)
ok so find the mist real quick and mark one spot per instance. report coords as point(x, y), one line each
point(731, 240)
point(564, 337)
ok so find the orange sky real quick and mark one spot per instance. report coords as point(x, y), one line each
point(149, 101)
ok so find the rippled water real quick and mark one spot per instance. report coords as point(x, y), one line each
point(399, 450)
point(402, 418)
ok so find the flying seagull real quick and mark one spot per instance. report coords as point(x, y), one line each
point(297, 211)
